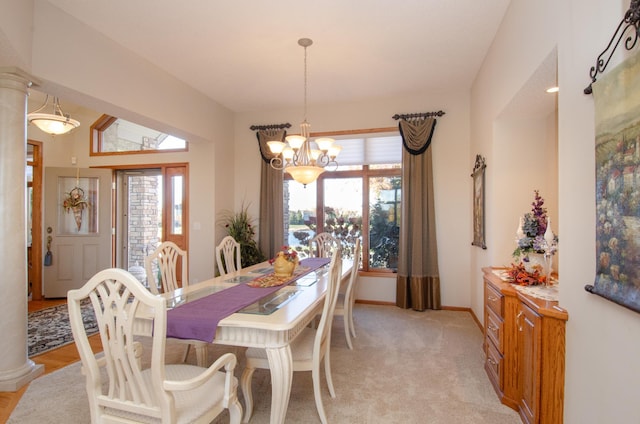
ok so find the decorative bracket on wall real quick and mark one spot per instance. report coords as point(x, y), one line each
point(631, 21)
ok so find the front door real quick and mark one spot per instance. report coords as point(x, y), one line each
point(77, 227)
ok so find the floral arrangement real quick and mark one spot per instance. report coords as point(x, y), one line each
point(519, 275)
point(532, 235)
point(288, 253)
point(75, 200)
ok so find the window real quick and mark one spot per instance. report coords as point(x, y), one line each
point(112, 136)
point(361, 199)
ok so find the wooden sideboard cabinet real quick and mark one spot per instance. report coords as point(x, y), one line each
point(525, 350)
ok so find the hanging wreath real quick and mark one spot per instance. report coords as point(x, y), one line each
point(75, 200)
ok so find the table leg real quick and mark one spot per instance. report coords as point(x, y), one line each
point(281, 368)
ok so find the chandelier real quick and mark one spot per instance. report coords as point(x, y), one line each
point(302, 158)
point(55, 123)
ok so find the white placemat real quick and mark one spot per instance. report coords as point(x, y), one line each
point(540, 291)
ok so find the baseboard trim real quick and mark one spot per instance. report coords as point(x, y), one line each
point(375, 302)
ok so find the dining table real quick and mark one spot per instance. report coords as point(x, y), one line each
point(264, 316)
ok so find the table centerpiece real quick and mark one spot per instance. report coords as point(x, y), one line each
point(285, 262)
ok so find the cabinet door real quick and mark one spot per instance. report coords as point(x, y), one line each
point(529, 346)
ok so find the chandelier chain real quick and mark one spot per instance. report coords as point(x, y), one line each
point(305, 83)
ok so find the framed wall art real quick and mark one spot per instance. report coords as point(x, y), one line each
point(478, 202)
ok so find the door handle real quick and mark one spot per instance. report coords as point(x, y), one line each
point(518, 323)
point(48, 257)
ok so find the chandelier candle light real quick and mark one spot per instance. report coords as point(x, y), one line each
point(297, 157)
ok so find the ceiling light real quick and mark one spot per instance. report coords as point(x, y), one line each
point(55, 123)
point(553, 89)
point(297, 156)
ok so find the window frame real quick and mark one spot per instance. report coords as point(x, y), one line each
point(96, 136)
point(365, 173)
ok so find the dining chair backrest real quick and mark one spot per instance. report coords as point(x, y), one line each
point(345, 304)
point(323, 245)
point(118, 388)
point(228, 256)
point(170, 260)
point(322, 341)
point(350, 292)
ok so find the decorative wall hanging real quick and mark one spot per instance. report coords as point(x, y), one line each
point(478, 202)
point(617, 122)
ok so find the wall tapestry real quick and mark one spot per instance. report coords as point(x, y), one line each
point(617, 120)
point(478, 202)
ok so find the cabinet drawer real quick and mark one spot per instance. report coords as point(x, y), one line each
point(494, 300)
point(493, 364)
point(495, 324)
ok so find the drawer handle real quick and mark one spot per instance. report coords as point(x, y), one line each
point(492, 298)
point(518, 323)
point(493, 328)
point(492, 362)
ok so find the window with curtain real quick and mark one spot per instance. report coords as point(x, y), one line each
point(361, 199)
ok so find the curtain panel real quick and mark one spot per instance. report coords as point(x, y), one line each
point(271, 229)
point(418, 281)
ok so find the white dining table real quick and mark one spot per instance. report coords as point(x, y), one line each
point(273, 331)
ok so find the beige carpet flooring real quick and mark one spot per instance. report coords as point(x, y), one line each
point(406, 367)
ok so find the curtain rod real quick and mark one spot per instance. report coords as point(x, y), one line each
point(270, 127)
point(418, 115)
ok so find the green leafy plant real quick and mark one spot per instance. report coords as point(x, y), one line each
point(240, 226)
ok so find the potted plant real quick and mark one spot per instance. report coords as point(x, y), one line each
point(239, 226)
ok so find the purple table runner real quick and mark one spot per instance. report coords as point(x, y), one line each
point(199, 319)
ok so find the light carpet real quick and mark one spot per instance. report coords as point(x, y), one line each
point(406, 367)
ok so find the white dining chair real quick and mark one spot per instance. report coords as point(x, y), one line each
point(322, 245)
point(308, 349)
point(346, 300)
point(168, 257)
point(228, 256)
point(119, 390)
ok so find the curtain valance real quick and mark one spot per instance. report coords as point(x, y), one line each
point(269, 134)
point(416, 134)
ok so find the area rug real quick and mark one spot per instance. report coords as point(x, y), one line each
point(49, 328)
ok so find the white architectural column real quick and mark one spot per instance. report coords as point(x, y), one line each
point(16, 369)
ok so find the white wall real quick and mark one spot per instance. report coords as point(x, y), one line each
point(525, 153)
point(452, 170)
point(602, 349)
point(101, 75)
point(15, 33)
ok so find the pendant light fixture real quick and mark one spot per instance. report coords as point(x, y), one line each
point(54, 123)
point(302, 160)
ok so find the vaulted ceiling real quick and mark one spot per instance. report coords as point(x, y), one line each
point(245, 55)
